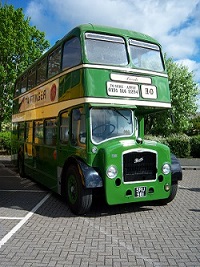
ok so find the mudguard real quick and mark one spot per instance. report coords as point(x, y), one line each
point(91, 177)
point(176, 169)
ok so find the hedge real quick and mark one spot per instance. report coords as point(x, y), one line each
point(182, 146)
point(195, 146)
point(5, 142)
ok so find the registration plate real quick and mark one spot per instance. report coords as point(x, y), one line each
point(140, 191)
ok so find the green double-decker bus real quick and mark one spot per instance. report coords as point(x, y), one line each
point(78, 119)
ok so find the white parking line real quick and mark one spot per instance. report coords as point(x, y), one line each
point(11, 218)
point(23, 221)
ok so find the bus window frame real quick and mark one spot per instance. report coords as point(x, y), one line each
point(54, 64)
point(24, 82)
point(40, 139)
point(106, 38)
point(30, 126)
point(68, 42)
point(66, 127)
point(29, 74)
point(78, 139)
point(149, 47)
point(53, 133)
point(99, 139)
point(21, 131)
point(39, 66)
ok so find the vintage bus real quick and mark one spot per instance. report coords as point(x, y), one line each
point(78, 119)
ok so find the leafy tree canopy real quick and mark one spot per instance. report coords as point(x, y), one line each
point(20, 45)
point(183, 91)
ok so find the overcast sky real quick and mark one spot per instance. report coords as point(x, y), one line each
point(175, 24)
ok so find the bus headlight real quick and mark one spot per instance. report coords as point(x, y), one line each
point(111, 172)
point(166, 169)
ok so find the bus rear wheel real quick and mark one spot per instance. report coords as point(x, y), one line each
point(21, 166)
point(79, 198)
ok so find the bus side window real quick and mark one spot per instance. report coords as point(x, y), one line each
point(17, 87)
point(21, 131)
point(64, 128)
point(31, 78)
point(24, 84)
point(50, 132)
point(71, 53)
point(38, 132)
point(54, 61)
point(42, 71)
point(78, 128)
point(29, 132)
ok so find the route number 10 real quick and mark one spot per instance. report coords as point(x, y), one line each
point(149, 91)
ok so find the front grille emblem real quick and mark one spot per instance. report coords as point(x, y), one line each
point(138, 160)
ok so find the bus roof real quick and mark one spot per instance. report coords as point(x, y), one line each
point(111, 30)
point(94, 28)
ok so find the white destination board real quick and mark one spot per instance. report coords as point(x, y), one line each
point(122, 89)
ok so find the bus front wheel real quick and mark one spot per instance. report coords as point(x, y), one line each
point(174, 188)
point(79, 198)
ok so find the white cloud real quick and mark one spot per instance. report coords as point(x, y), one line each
point(176, 24)
point(192, 65)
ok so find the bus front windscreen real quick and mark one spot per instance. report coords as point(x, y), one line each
point(146, 56)
point(106, 49)
point(108, 123)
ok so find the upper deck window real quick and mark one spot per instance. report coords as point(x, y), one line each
point(71, 53)
point(146, 56)
point(54, 62)
point(24, 84)
point(31, 78)
point(105, 49)
point(42, 71)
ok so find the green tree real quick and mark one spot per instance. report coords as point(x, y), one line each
point(20, 45)
point(195, 126)
point(183, 91)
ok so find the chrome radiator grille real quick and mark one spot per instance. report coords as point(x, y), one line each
point(139, 166)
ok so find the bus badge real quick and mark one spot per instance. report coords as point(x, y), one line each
point(138, 160)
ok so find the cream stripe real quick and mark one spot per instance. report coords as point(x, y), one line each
point(126, 71)
point(52, 111)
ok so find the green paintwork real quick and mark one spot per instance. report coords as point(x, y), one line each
point(90, 81)
point(112, 155)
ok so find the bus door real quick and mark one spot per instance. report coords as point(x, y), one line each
point(63, 142)
point(44, 147)
point(28, 144)
point(72, 139)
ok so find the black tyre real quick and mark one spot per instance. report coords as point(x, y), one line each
point(79, 198)
point(21, 166)
point(174, 188)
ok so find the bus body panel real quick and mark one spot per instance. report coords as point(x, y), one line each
point(117, 190)
point(53, 129)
